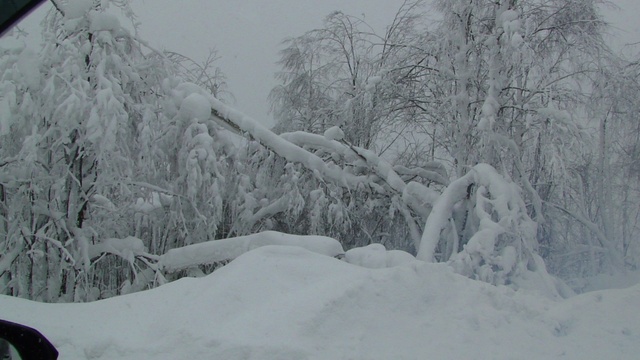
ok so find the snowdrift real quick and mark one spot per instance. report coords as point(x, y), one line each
point(280, 302)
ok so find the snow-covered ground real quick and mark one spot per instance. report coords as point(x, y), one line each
point(280, 302)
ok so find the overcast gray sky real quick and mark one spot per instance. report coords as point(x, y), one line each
point(247, 33)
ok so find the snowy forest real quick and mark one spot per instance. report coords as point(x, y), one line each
point(499, 137)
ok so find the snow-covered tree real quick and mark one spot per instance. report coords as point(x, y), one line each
point(88, 167)
point(598, 230)
point(508, 92)
point(498, 83)
point(340, 75)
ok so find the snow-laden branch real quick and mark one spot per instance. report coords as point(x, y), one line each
point(229, 117)
point(210, 252)
point(361, 157)
point(440, 214)
point(278, 206)
point(214, 251)
point(127, 248)
point(319, 142)
point(435, 172)
point(498, 208)
point(291, 146)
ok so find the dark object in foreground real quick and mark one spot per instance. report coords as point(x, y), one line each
point(30, 343)
point(11, 11)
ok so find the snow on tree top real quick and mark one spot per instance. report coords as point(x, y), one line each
point(195, 106)
point(334, 133)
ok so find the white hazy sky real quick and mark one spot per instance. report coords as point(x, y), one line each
point(248, 33)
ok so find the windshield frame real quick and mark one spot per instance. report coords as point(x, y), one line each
point(12, 11)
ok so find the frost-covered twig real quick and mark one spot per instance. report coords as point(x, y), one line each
point(614, 255)
point(57, 7)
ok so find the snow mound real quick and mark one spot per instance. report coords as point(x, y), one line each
point(279, 302)
point(376, 256)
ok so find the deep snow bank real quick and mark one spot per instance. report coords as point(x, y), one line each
point(289, 303)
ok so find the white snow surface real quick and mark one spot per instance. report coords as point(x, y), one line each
point(280, 302)
point(376, 256)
